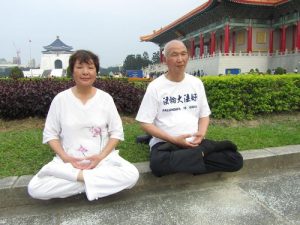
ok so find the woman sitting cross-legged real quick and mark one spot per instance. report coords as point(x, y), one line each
point(83, 128)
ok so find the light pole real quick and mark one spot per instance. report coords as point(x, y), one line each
point(29, 53)
point(30, 57)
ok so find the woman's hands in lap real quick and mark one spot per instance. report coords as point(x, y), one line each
point(85, 163)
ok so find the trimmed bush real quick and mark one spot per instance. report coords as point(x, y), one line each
point(32, 97)
point(238, 97)
point(242, 97)
point(16, 73)
point(280, 70)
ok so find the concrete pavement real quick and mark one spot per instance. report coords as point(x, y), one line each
point(265, 191)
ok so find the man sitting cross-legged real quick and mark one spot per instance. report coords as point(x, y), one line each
point(175, 112)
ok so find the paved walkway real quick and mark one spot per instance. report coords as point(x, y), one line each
point(265, 191)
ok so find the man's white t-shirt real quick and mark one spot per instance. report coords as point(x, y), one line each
point(83, 129)
point(174, 107)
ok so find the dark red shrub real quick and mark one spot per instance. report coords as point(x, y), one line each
point(32, 97)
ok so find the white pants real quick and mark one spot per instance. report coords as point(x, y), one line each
point(111, 175)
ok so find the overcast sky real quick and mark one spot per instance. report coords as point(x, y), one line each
point(110, 28)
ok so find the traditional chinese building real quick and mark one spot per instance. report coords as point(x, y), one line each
point(235, 36)
point(56, 57)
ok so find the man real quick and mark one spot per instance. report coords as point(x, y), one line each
point(175, 112)
point(296, 70)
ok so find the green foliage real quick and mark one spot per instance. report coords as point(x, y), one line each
point(16, 73)
point(146, 56)
point(69, 74)
point(266, 133)
point(129, 149)
point(280, 71)
point(22, 152)
point(244, 96)
point(251, 71)
point(136, 62)
point(238, 97)
point(141, 84)
point(155, 57)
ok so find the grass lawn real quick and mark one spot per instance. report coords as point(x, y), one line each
point(21, 150)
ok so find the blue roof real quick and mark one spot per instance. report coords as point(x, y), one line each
point(58, 45)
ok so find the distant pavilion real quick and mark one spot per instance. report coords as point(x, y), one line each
point(235, 36)
point(55, 58)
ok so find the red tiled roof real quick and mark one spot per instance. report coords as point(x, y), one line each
point(178, 21)
point(260, 2)
point(202, 8)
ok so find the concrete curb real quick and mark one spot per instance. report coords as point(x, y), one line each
point(13, 190)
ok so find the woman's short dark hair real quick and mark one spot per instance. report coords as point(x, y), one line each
point(83, 56)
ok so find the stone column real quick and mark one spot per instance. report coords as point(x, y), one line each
point(212, 43)
point(283, 39)
point(298, 35)
point(201, 44)
point(226, 39)
point(271, 35)
point(249, 38)
point(161, 57)
point(221, 43)
point(192, 49)
point(233, 42)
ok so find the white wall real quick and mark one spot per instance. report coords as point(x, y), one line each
point(33, 73)
point(47, 61)
point(218, 63)
point(288, 62)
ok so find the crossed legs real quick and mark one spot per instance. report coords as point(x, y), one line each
point(218, 156)
point(59, 180)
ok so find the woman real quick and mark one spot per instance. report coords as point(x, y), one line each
point(83, 128)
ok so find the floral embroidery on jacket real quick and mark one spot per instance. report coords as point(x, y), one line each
point(96, 131)
point(82, 150)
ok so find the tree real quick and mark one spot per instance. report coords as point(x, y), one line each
point(146, 61)
point(146, 56)
point(280, 70)
point(136, 62)
point(130, 63)
point(139, 60)
point(155, 57)
point(69, 74)
point(16, 73)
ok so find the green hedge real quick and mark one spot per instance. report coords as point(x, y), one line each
point(243, 96)
point(238, 97)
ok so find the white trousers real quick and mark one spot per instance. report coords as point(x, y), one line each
point(113, 174)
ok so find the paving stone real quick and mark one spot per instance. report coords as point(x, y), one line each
point(280, 193)
point(265, 191)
